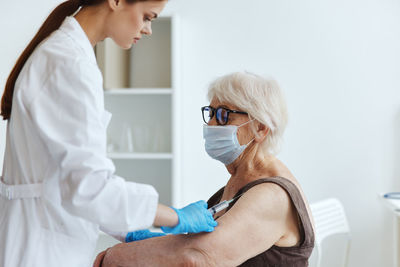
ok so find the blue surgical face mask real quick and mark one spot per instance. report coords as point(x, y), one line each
point(221, 142)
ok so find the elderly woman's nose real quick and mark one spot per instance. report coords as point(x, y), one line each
point(213, 121)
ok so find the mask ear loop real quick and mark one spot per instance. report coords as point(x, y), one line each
point(250, 141)
point(245, 124)
point(269, 130)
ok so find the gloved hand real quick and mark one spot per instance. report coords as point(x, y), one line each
point(194, 218)
point(141, 235)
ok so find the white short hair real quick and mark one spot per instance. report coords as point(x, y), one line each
point(260, 97)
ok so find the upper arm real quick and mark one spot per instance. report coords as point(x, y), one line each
point(251, 226)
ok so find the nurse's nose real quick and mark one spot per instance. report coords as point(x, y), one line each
point(147, 29)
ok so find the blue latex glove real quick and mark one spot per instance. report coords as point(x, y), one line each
point(194, 218)
point(141, 235)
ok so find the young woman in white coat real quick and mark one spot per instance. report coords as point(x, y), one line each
point(58, 187)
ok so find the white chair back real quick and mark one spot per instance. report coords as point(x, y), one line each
point(329, 219)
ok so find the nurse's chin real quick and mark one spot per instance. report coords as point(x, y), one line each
point(126, 47)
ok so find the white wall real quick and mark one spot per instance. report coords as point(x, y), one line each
point(338, 62)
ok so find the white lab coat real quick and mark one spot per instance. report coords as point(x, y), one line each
point(56, 140)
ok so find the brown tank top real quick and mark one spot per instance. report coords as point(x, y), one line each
point(275, 256)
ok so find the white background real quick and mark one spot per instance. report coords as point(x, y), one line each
point(339, 65)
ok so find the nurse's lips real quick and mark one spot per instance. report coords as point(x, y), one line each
point(135, 40)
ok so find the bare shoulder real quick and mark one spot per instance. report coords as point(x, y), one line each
point(266, 199)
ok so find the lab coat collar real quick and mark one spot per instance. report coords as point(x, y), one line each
point(73, 29)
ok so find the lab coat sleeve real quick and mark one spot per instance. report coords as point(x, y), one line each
point(120, 236)
point(69, 114)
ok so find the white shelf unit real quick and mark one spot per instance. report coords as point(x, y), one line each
point(142, 93)
point(138, 91)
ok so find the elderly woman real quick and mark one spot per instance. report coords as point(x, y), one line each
point(269, 222)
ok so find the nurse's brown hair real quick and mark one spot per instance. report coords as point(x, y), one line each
point(52, 23)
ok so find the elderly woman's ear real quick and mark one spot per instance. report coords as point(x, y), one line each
point(261, 132)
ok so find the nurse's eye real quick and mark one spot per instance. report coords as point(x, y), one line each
point(147, 18)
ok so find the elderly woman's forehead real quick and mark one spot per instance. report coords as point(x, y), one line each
point(217, 103)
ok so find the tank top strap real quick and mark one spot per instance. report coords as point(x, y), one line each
point(297, 200)
point(216, 198)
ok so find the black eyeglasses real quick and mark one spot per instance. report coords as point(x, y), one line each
point(221, 114)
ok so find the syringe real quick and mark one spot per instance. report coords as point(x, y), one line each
point(221, 206)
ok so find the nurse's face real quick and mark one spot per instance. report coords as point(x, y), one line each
point(129, 22)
